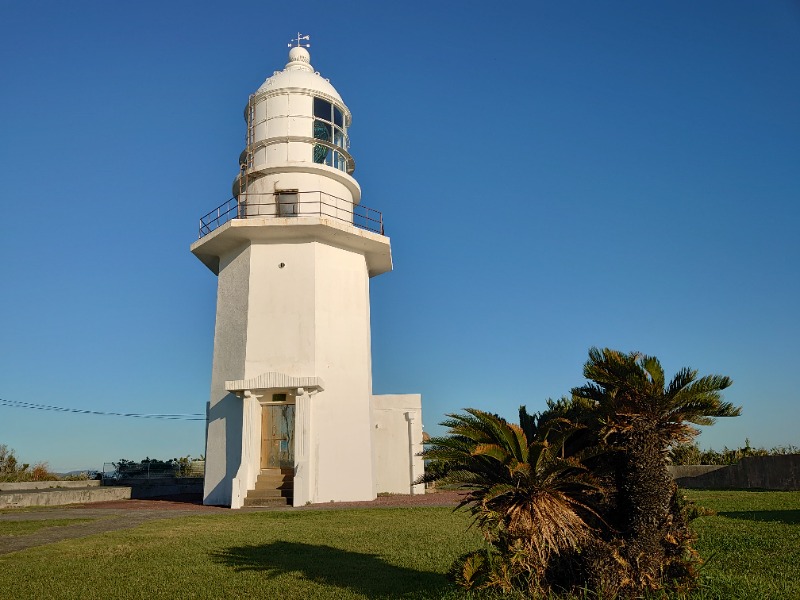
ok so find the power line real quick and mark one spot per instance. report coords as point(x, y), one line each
point(172, 417)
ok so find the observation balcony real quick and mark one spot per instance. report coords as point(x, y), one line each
point(287, 204)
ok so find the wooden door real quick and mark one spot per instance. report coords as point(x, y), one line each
point(277, 436)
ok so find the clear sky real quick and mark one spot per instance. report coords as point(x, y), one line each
point(553, 176)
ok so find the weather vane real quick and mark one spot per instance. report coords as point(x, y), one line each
point(299, 39)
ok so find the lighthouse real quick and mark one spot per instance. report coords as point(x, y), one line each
point(291, 416)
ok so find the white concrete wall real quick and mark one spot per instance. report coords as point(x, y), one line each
point(224, 427)
point(337, 198)
point(311, 318)
point(307, 318)
point(305, 465)
point(341, 414)
point(397, 443)
point(250, 464)
point(281, 325)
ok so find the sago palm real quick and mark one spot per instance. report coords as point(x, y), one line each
point(529, 502)
point(641, 415)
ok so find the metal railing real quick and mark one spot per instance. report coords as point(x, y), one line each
point(291, 204)
point(120, 471)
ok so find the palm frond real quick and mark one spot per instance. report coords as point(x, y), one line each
point(654, 369)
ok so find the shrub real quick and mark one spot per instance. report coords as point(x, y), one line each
point(530, 502)
point(579, 497)
point(12, 471)
point(41, 472)
point(152, 467)
point(690, 454)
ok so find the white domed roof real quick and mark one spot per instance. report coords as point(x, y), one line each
point(299, 73)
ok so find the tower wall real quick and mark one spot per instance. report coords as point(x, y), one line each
point(317, 194)
point(224, 425)
point(341, 417)
point(308, 318)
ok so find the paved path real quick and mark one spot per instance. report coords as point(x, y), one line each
point(125, 514)
point(105, 516)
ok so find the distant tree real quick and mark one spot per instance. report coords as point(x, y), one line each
point(12, 471)
point(686, 453)
point(691, 454)
point(9, 467)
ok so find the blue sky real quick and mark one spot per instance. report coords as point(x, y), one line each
point(553, 176)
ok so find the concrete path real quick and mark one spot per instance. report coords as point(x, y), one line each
point(103, 519)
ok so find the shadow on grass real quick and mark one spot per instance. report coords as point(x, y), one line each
point(366, 574)
point(790, 517)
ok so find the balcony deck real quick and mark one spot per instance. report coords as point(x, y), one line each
point(303, 204)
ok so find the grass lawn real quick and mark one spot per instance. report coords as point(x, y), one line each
point(753, 542)
point(378, 553)
point(751, 546)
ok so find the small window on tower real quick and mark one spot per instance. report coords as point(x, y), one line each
point(287, 203)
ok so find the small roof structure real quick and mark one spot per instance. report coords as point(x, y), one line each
point(272, 380)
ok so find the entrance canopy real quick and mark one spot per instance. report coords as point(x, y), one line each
point(273, 380)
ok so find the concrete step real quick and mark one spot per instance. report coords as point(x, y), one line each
point(270, 493)
point(274, 487)
point(285, 489)
point(274, 481)
point(267, 501)
point(276, 474)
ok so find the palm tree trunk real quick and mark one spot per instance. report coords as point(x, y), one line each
point(644, 490)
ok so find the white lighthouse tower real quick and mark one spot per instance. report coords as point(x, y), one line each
point(291, 415)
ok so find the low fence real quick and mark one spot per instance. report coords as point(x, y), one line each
point(780, 472)
point(157, 478)
point(122, 471)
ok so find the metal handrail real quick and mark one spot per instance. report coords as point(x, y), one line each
point(326, 205)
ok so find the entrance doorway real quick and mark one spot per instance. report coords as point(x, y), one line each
point(277, 433)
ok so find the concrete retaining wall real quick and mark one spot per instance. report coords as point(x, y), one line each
point(754, 472)
point(44, 485)
point(57, 497)
point(155, 488)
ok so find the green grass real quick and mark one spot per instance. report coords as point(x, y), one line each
point(753, 543)
point(26, 527)
point(380, 553)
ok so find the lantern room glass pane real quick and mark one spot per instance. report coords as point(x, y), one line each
point(328, 126)
point(322, 131)
point(322, 109)
point(320, 153)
